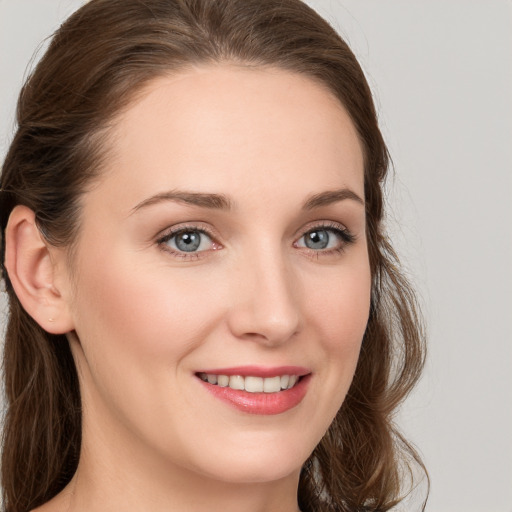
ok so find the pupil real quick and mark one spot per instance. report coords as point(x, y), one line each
point(317, 239)
point(188, 241)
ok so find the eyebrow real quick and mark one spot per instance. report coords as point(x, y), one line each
point(330, 197)
point(222, 202)
point(213, 201)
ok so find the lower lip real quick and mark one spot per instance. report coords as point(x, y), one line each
point(261, 403)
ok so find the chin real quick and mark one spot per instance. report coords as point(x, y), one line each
point(248, 472)
point(262, 463)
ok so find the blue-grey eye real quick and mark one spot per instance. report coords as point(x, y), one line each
point(317, 239)
point(190, 240)
point(322, 238)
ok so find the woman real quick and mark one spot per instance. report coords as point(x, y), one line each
point(204, 309)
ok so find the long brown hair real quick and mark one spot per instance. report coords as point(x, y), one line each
point(104, 54)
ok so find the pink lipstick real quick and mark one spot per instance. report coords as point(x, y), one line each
point(256, 389)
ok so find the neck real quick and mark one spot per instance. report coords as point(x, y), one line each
point(85, 495)
point(109, 480)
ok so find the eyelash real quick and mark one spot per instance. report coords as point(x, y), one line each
point(187, 256)
point(346, 237)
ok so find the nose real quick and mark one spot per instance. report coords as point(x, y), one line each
point(265, 301)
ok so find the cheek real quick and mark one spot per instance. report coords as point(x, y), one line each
point(341, 307)
point(136, 329)
point(340, 311)
point(148, 311)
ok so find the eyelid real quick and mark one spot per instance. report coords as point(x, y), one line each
point(347, 237)
point(167, 234)
point(321, 224)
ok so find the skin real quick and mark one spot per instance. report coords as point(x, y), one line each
point(146, 319)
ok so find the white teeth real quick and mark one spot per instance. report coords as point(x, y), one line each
point(252, 384)
point(236, 382)
point(272, 385)
point(292, 381)
point(223, 381)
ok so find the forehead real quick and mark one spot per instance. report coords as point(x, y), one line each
point(231, 127)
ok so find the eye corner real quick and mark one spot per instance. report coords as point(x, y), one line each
point(332, 237)
point(197, 243)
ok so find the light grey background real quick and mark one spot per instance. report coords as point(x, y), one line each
point(441, 71)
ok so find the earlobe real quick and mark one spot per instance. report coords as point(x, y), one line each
point(32, 272)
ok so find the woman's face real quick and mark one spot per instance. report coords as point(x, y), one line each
point(224, 242)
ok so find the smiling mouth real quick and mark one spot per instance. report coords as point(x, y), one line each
point(251, 384)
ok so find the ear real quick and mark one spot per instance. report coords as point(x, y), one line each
point(36, 271)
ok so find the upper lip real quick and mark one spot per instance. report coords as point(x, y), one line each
point(258, 371)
